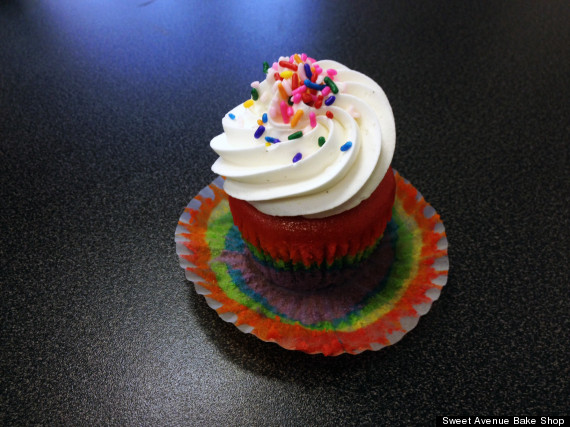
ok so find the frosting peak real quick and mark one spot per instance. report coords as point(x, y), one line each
point(315, 139)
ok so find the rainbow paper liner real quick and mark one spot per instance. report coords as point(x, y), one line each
point(368, 307)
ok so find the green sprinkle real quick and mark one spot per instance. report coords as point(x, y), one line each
point(296, 135)
point(254, 94)
point(330, 83)
point(321, 141)
point(265, 67)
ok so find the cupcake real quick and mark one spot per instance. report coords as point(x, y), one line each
point(307, 170)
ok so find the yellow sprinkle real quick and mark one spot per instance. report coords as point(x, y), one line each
point(286, 74)
point(296, 117)
point(267, 144)
point(248, 103)
point(298, 59)
point(260, 122)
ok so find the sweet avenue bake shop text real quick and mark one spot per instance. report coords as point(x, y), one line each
point(500, 421)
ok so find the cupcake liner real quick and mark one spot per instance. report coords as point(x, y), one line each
point(366, 307)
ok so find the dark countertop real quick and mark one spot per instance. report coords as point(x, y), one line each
point(106, 113)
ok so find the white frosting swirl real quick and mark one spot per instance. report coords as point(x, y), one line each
point(327, 180)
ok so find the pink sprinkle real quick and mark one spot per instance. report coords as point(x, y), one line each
point(311, 60)
point(283, 107)
point(331, 72)
point(290, 111)
point(313, 119)
point(300, 89)
point(318, 70)
point(255, 84)
point(304, 57)
point(297, 98)
point(275, 66)
point(326, 91)
point(273, 112)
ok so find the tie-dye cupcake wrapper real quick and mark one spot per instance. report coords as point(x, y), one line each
point(366, 307)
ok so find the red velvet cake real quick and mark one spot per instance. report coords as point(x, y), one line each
point(295, 242)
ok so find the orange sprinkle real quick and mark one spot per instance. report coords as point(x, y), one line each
point(259, 122)
point(297, 58)
point(296, 117)
point(283, 91)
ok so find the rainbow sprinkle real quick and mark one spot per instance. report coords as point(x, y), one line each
point(284, 115)
point(282, 91)
point(308, 72)
point(331, 84)
point(296, 117)
point(298, 89)
point(259, 132)
point(254, 94)
point(288, 65)
point(312, 85)
point(295, 135)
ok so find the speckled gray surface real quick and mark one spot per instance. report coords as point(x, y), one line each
point(106, 112)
